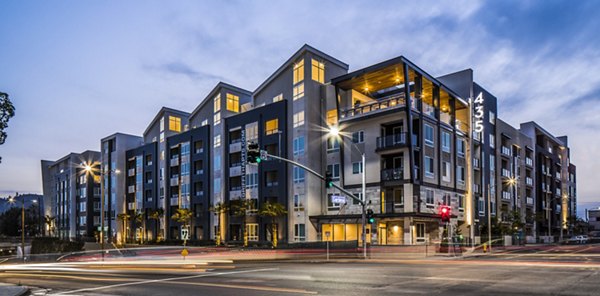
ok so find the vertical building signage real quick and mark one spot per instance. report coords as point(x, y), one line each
point(478, 113)
point(244, 149)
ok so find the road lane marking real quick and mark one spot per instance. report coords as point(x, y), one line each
point(163, 280)
point(248, 287)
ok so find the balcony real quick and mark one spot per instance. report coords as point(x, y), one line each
point(175, 161)
point(446, 118)
point(391, 141)
point(174, 180)
point(130, 172)
point(392, 102)
point(461, 126)
point(392, 174)
point(131, 189)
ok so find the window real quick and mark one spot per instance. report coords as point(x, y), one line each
point(335, 171)
point(445, 142)
point(461, 201)
point(204, 122)
point(332, 206)
point(492, 163)
point(429, 196)
point(298, 71)
point(299, 232)
point(233, 103)
point(331, 117)
point(446, 199)
point(298, 175)
point(460, 147)
point(82, 220)
point(460, 174)
point(428, 135)
point(251, 180)
point(446, 171)
point(428, 167)
point(333, 144)
point(299, 146)
point(357, 194)
point(358, 137)
point(217, 185)
point(162, 124)
point(398, 198)
point(298, 91)
point(277, 98)
point(217, 103)
point(162, 137)
point(492, 141)
point(174, 124)
point(271, 126)
point(298, 206)
point(217, 118)
point(217, 142)
point(357, 168)
point(481, 207)
point(318, 71)
point(252, 231)
point(492, 118)
point(217, 160)
point(298, 119)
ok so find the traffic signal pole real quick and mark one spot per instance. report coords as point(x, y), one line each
point(344, 191)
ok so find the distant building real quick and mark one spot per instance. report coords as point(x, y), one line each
point(594, 219)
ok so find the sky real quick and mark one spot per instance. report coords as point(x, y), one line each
point(78, 71)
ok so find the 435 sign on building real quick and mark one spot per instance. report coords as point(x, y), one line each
point(478, 113)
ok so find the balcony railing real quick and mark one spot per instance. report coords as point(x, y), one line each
point(529, 181)
point(505, 173)
point(392, 174)
point(395, 140)
point(395, 101)
point(175, 161)
point(234, 141)
point(529, 161)
point(130, 172)
point(506, 151)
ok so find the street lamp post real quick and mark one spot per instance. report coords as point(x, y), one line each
point(334, 131)
point(88, 168)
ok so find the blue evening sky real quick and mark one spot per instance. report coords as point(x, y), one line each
point(81, 70)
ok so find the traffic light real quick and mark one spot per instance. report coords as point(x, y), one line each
point(328, 179)
point(253, 153)
point(370, 217)
point(445, 213)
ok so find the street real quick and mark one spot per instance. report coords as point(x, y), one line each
point(558, 270)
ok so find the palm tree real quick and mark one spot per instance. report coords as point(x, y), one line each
point(219, 208)
point(124, 217)
point(272, 210)
point(49, 220)
point(139, 219)
point(157, 215)
point(183, 216)
point(240, 209)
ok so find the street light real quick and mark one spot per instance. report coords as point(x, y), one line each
point(12, 201)
point(89, 169)
point(335, 132)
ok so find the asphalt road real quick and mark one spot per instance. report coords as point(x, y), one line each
point(557, 271)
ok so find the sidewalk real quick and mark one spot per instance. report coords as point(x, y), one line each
point(12, 290)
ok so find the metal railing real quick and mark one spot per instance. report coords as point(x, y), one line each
point(392, 174)
point(395, 140)
point(394, 101)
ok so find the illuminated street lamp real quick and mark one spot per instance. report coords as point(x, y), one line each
point(89, 169)
point(335, 132)
point(12, 201)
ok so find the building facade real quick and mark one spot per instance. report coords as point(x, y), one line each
point(428, 142)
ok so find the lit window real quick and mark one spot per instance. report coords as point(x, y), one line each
point(277, 98)
point(217, 103)
point(233, 103)
point(298, 71)
point(217, 118)
point(271, 126)
point(252, 231)
point(217, 142)
point(332, 117)
point(318, 71)
point(299, 119)
point(298, 91)
point(174, 124)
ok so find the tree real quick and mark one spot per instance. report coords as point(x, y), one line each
point(219, 208)
point(49, 221)
point(139, 223)
point(183, 216)
point(124, 217)
point(272, 210)
point(240, 208)
point(157, 215)
point(7, 110)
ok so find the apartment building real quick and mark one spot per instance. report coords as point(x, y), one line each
point(428, 142)
point(72, 195)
